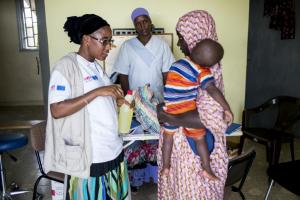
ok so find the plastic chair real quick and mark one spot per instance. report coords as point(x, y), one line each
point(288, 113)
point(287, 175)
point(238, 169)
point(8, 142)
point(37, 137)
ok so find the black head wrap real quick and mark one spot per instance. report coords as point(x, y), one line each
point(84, 25)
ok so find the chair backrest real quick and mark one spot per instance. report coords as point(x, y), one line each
point(239, 167)
point(38, 136)
point(288, 113)
point(252, 116)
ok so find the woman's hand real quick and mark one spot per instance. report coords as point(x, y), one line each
point(121, 101)
point(228, 117)
point(114, 91)
point(161, 115)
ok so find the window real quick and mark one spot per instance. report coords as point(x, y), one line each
point(27, 21)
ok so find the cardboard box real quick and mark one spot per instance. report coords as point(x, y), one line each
point(57, 190)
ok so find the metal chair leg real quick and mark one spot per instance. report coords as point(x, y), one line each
point(242, 195)
point(236, 189)
point(272, 153)
point(269, 189)
point(34, 196)
point(4, 195)
point(39, 196)
point(277, 150)
point(292, 150)
point(7, 195)
point(242, 141)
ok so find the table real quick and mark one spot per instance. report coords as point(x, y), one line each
point(139, 134)
point(19, 124)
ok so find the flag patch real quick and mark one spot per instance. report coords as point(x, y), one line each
point(52, 87)
point(60, 87)
point(90, 78)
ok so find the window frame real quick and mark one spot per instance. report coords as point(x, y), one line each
point(22, 26)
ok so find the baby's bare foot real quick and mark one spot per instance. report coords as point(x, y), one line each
point(209, 175)
point(165, 172)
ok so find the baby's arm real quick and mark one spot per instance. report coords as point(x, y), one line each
point(217, 95)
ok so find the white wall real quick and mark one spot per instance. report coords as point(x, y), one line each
point(231, 18)
point(19, 82)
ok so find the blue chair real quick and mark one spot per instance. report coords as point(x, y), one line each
point(8, 142)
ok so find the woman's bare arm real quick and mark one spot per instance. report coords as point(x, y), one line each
point(70, 106)
point(124, 82)
point(189, 119)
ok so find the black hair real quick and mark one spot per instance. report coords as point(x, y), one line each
point(83, 25)
point(207, 53)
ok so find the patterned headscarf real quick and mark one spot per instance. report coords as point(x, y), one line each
point(198, 25)
point(195, 26)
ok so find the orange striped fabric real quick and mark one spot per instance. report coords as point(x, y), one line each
point(194, 133)
point(180, 107)
point(181, 89)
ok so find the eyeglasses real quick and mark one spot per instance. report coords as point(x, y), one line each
point(103, 41)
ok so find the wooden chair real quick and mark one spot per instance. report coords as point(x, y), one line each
point(287, 111)
point(238, 169)
point(37, 137)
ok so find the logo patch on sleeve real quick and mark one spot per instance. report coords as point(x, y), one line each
point(90, 78)
point(52, 87)
point(60, 87)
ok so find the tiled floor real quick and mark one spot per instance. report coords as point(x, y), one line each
point(25, 170)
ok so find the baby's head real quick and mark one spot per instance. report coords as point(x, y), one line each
point(207, 53)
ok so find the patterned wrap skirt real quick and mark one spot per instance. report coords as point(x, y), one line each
point(108, 181)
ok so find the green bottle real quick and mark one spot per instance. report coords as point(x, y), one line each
point(125, 114)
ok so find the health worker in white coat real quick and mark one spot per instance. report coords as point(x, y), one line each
point(145, 58)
